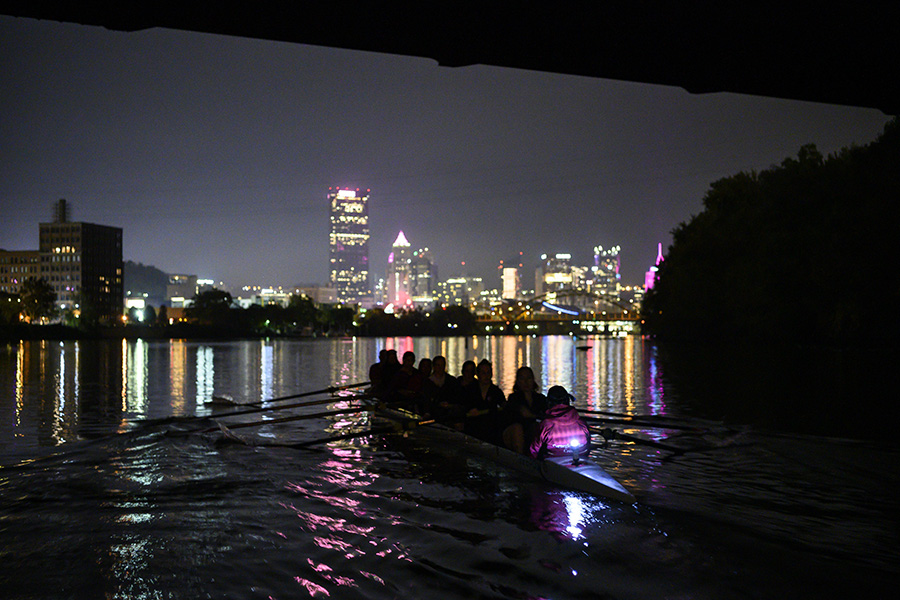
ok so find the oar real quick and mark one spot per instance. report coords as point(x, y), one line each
point(396, 428)
point(645, 418)
point(645, 424)
point(152, 422)
point(612, 434)
point(328, 390)
point(343, 411)
point(605, 413)
point(331, 400)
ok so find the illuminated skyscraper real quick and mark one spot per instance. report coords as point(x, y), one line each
point(510, 278)
point(349, 243)
point(650, 277)
point(422, 277)
point(460, 291)
point(398, 273)
point(606, 270)
point(555, 273)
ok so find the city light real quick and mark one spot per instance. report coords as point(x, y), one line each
point(559, 309)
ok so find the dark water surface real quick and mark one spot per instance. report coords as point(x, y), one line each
point(109, 489)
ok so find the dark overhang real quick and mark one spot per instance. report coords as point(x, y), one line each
point(834, 53)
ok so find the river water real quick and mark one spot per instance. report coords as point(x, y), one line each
point(115, 482)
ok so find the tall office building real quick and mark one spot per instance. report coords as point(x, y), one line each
point(461, 291)
point(510, 277)
point(399, 271)
point(422, 277)
point(510, 280)
point(83, 263)
point(606, 270)
point(349, 244)
point(650, 276)
point(555, 273)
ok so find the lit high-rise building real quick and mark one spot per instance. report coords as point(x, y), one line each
point(461, 290)
point(399, 292)
point(606, 270)
point(554, 274)
point(422, 277)
point(510, 279)
point(650, 277)
point(349, 244)
point(83, 264)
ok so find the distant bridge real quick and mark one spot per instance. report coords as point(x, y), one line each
point(550, 314)
point(552, 301)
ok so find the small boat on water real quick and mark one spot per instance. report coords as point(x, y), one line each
point(582, 475)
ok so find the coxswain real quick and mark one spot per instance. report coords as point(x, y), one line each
point(561, 432)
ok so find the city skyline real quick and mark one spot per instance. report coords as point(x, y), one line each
point(212, 153)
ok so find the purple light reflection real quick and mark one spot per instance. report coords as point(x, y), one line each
point(560, 513)
point(313, 589)
point(655, 385)
point(324, 571)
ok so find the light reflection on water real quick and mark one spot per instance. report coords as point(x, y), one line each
point(206, 372)
point(147, 514)
point(177, 359)
point(154, 379)
point(602, 373)
point(135, 367)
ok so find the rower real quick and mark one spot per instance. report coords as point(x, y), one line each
point(483, 400)
point(406, 386)
point(561, 432)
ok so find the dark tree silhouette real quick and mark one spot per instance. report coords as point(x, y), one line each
point(10, 308)
point(212, 307)
point(803, 250)
point(38, 299)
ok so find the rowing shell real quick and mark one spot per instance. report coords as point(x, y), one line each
point(586, 476)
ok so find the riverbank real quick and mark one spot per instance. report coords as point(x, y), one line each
point(132, 332)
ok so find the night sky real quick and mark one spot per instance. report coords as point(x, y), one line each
point(215, 154)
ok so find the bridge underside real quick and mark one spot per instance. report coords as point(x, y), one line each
point(834, 53)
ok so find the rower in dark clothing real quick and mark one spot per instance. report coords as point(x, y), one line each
point(519, 417)
point(483, 400)
point(442, 395)
point(376, 379)
point(407, 385)
point(467, 373)
point(388, 369)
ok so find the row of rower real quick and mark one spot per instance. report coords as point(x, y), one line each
point(527, 421)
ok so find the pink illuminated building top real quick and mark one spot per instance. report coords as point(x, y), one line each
point(650, 277)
